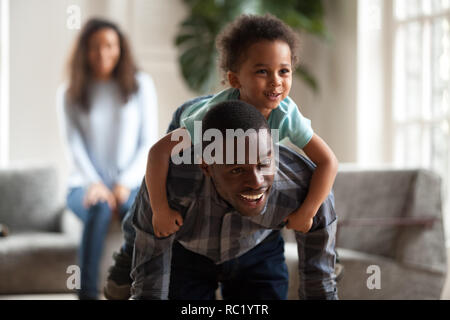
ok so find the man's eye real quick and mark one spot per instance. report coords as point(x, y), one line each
point(265, 163)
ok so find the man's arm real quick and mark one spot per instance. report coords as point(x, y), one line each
point(317, 255)
point(152, 256)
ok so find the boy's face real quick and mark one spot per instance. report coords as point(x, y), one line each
point(264, 78)
point(246, 186)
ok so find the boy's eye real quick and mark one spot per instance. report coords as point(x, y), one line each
point(283, 71)
point(261, 71)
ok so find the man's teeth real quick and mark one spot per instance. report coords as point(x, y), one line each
point(251, 197)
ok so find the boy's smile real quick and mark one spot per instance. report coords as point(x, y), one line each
point(264, 77)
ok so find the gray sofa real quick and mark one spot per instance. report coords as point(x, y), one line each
point(43, 237)
point(390, 219)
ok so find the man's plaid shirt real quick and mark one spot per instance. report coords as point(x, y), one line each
point(214, 229)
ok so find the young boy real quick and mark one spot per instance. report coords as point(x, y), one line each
point(257, 53)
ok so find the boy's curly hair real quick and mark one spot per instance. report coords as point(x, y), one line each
point(246, 30)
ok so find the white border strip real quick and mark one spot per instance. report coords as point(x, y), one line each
point(4, 84)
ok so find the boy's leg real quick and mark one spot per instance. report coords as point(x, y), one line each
point(260, 274)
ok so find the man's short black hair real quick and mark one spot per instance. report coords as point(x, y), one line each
point(234, 114)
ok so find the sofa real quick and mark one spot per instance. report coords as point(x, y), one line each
point(43, 237)
point(390, 219)
point(390, 236)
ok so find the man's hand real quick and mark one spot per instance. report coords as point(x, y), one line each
point(166, 222)
point(98, 192)
point(300, 220)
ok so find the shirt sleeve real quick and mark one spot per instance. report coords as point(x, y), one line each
point(295, 126)
point(189, 117)
point(152, 256)
point(317, 256)
point(148, 106)
point(74, 140)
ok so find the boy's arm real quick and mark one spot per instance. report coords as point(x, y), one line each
point(156, 176)
point(320, 186)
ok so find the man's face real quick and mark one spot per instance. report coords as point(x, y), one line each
point(246, 186)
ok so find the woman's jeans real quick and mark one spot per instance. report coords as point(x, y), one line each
point(96, 221)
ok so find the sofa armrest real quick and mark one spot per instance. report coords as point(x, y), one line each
point(419, 247)
point(418, 237)
point(425, 222)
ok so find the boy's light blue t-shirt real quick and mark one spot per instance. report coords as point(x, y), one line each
point(286, 118)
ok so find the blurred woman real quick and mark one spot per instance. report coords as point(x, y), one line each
point(108, 112)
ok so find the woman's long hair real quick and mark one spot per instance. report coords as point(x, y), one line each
point(80, 71)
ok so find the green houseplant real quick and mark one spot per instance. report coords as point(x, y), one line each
point(195, 40)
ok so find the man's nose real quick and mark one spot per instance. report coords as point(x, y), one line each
point(254, 179)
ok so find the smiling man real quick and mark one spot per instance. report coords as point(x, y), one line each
point(232, 217)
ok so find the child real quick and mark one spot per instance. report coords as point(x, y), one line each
point(257, 53)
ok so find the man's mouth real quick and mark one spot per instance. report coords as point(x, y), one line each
point(252, 199)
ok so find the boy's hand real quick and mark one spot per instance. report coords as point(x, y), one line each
point(166, 222)
point(299, 221)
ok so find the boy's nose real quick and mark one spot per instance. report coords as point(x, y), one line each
point(276, 82)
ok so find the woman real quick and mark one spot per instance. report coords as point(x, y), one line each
point(109, 117)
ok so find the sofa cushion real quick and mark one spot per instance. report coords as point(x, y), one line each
point(396, 280)
point(36, 262)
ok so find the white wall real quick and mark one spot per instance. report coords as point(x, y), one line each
point(41, 42)
point(333, 110)
point(40, 46)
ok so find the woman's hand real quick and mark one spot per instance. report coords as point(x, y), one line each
point(98, 192)
point(121, 193)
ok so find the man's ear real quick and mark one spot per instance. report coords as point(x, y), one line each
point(233, 79)
point(205, 168)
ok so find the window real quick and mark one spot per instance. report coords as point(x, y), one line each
point(421, 93)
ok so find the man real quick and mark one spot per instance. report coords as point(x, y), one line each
point(232, 215)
